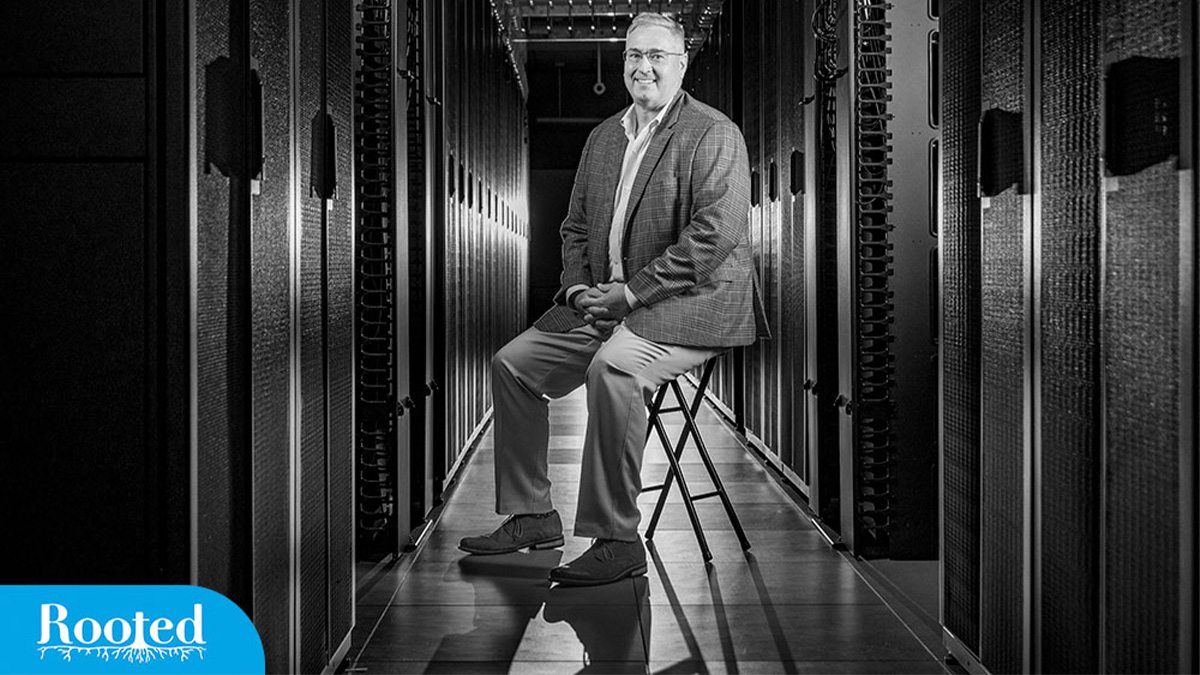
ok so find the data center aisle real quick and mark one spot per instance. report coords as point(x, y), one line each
point(790, 604)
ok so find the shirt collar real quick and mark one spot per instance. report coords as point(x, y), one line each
point(629, 118)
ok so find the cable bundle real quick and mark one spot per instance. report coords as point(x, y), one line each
point(376, 291)
point(875, 362)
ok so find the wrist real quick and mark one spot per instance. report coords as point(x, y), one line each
point(573, 294)
point(630, 299)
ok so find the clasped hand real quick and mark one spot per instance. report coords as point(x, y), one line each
point(603, 306)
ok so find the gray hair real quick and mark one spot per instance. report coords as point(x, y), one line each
point(663, 20)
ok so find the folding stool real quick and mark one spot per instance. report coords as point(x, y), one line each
point(690, 428)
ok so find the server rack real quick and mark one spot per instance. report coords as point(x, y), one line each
point(483, 102)
point(1082, 185)
point(850, 301)
point(467, 149)
point(384, 513)
point(204, 180)
point(888, 475)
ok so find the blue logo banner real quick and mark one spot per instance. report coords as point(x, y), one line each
point(124, 629)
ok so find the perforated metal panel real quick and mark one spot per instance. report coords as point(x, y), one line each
point(1070, 222)
point(272, 310)
point(961, 321)
point(754, 114)
point(1140, 344)
point(791, 339)
point(313, 582)
point(339, 326)
point(1004, 326)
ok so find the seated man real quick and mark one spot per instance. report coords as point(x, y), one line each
point(657, 278)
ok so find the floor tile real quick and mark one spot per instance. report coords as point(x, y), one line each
point(506, 633)
point(740, 492)
point(450, 633)
point(784, 545)
point(494, 633)
point(749, 582)
point(499, 667)
point(803, 667)
point(712, 516)
point(582, 633)
point(695, 472)
point(786, 633)
point(509, 579)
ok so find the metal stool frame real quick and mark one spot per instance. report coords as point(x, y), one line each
point(690, 428)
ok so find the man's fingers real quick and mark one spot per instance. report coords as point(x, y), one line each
point(605, 327)
point(588, 298)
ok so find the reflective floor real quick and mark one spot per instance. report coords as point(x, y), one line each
point(788, 605)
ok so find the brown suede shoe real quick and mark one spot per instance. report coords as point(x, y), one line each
point(518, 532)
point(607, 560)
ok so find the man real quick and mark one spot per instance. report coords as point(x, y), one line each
point(657, 278)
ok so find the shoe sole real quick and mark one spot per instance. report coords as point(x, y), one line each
point(631, 572)
point(535, 546)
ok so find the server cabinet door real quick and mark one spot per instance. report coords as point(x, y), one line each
point(1148, 332)
point(960, 342)
point(94, 160)
point(1005, 253)
point(312, 499)
point(272, 188)
point(224, 527)
point(1069, 233)
point(405, 433)
point(338, 326)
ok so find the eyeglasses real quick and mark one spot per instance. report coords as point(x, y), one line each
point(656, 57)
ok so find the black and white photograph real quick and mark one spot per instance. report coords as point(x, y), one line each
point(601, 336)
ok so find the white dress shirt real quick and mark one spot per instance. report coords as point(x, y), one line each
point(635, 152)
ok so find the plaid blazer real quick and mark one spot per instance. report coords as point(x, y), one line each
point(686, 249)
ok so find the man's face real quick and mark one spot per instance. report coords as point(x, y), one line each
point(653, 85)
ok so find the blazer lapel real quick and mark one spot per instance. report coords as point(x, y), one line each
point(653, 153)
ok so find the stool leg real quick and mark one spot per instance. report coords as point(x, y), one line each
point(673, 457)
point(689, 422)
point(678, 449)
point(656, 425)
point(655, 406)
point(653, 424)
point(676, 470)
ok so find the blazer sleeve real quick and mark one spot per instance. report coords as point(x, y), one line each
point(718, 221)
point(574, 232)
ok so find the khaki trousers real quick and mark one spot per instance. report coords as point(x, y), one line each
point(621, 375)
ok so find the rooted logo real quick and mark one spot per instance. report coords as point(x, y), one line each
point(137, 640)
